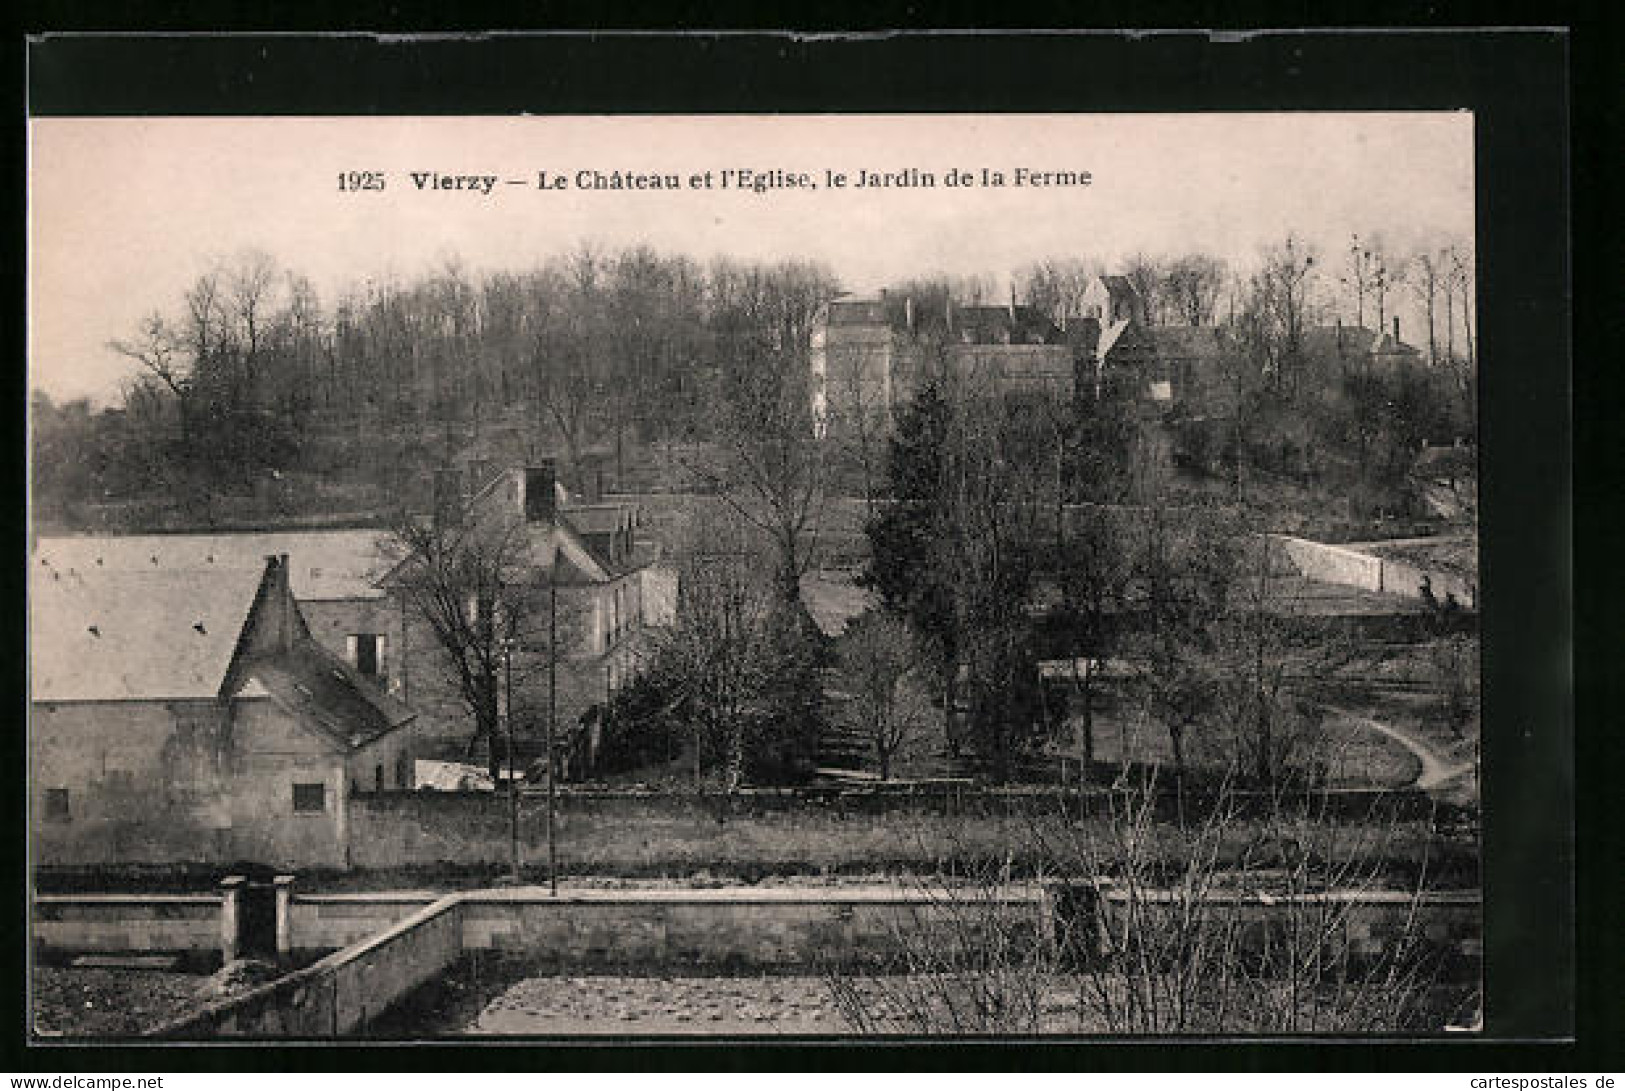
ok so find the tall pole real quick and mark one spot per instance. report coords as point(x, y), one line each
point(513, 785)
point(552, 716)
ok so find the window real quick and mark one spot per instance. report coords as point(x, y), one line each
point(378, 777)
point(56, 805)
point(309, 798)
point(366, 653)
point(403, 771)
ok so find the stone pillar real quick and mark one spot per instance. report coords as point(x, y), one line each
point(284, 915)
point(231, 906)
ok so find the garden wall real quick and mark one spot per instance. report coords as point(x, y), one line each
point(160, 923)
point(1352, 568)
point(766, 831)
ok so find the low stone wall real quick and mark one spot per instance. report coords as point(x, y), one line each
point(328, 922)
point(743, 930)
point(1333, 564)
point(338, 995)
point(1353, 568)
point(1441, 932)
point(726, 930)
point(151, 923)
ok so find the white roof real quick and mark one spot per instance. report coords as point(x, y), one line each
point(322, 564)
point(107, 635)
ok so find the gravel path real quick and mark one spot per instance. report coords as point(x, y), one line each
point(1436, 771)
point(645, 1005)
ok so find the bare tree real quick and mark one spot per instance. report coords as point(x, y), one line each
point(1191, 285)
point(1277, 310)
point(718, 653)
point(1148, 275)
point(773, 473)
point(476, 585)
point(1056, 286)
point(1460, 271)
point(1426, 280)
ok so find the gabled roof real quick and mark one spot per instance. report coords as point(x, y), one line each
point(323, 564)
point(328, 694)
point(1110, 336)
point(112, 635)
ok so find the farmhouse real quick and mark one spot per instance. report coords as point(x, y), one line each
point(341, 581)
point(187, 715)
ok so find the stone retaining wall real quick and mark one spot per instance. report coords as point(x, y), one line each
point(122, 923)
point(802, 930)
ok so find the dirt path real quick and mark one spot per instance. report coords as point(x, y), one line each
point(1436, 772)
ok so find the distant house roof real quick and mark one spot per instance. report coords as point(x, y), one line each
point(862, 310)
point(1389, 345)
point(1189, 342)
point(327, 693)
point(1327, 342)
point(1321, 343)
point(993, 324)
point(113, 635)
point(1118, 284)
point(323, 564)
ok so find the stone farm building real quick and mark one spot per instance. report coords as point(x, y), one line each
point(349, 589)
point(188, 715)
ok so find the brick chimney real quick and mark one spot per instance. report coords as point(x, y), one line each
point(448, 497)
point(278, 630)
point(539, 498)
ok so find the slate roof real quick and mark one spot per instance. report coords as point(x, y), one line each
point(987, 323)
point(1189, 342)
point(159, 635)
point(323, 565)
point(327, 693)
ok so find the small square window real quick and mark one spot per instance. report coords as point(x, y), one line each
point(309, 798)
point(56, 805)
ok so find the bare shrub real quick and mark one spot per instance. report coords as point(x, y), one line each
point(1253, 914)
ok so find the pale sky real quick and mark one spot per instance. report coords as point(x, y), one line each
point(125, 213)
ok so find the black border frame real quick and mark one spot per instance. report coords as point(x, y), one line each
point(1517, 84)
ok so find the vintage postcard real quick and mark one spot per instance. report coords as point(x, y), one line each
point(754, 576)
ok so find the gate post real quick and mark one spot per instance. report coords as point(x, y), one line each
point(231, 916)
point(284, 915)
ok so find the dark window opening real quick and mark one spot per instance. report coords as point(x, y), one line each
point(56, 805)
point(378, 777)
point(366, 654)
point(308, 798)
